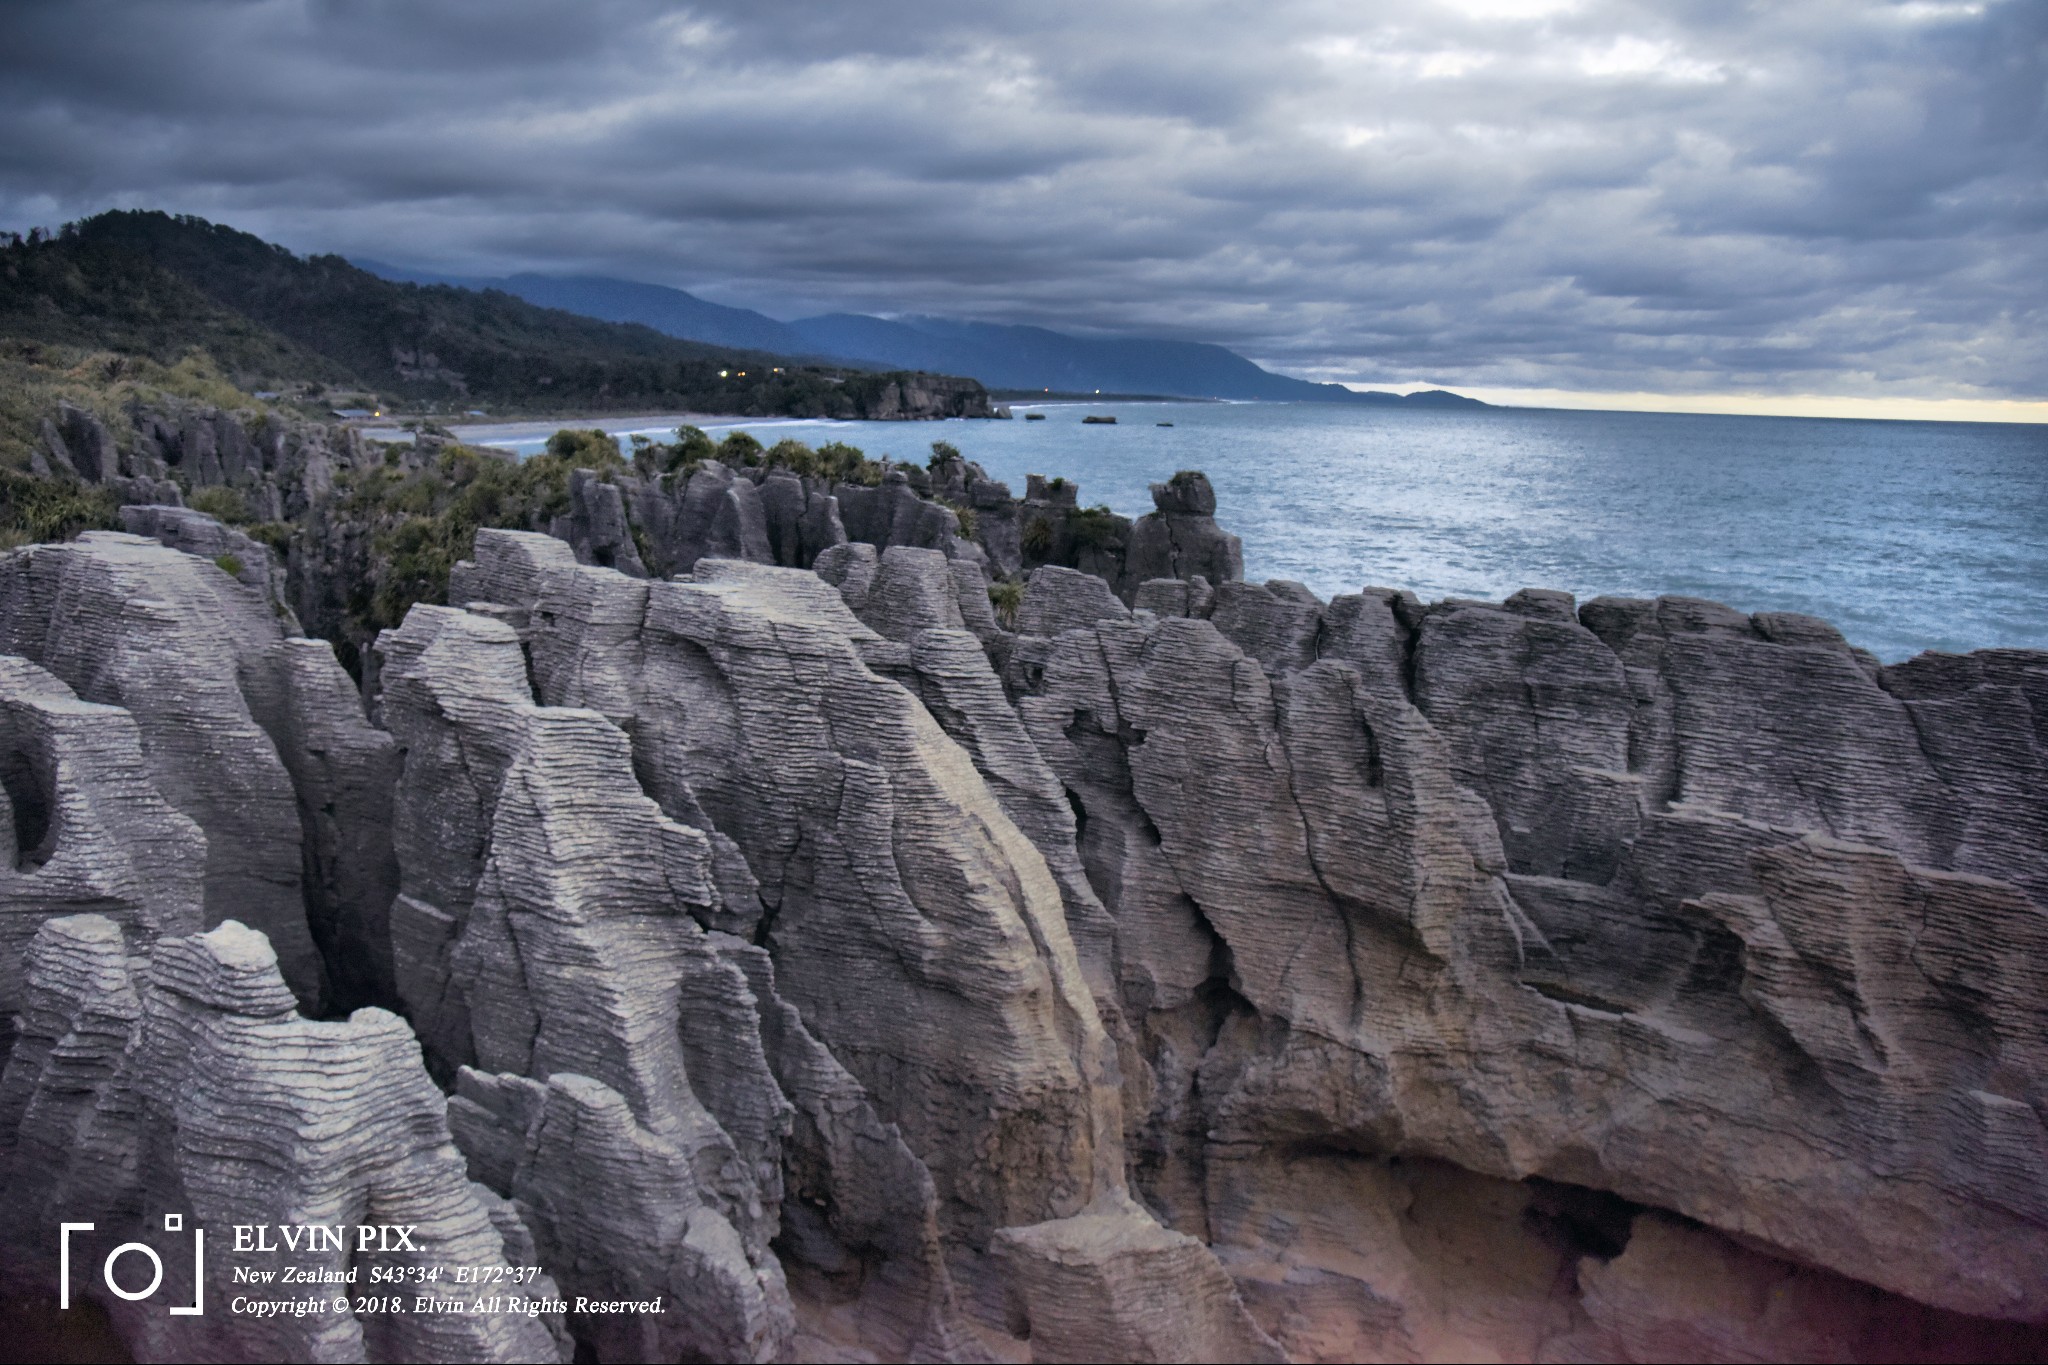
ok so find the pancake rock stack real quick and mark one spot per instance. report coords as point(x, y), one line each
point(1648, 904)
point(794, 959)
point(912, 987)
point(192, 1089)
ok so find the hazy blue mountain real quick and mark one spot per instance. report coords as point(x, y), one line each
point(999, 355)
point(652, 305)
point(1014, 357)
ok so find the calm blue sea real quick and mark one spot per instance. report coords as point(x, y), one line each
point(1907, 535)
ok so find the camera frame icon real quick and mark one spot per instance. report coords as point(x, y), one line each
point(173, 1222)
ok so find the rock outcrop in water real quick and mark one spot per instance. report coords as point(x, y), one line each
point(813, 965)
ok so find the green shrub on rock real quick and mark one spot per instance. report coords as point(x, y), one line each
point(739, 450)
point(792, 455)
point(34, 509)
point(225, 505)
point(691, 449)
point(421, 524)
point(1006, 597)
point(843, 463)
point(276, 534)
point(1094, 527)
point(591, 449)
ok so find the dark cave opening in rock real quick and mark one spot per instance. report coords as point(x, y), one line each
point(33, 802)
point(1579, 1220)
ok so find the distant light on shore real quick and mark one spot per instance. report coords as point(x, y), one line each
point(1758, 405)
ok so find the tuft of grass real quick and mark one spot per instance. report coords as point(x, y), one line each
point(226, 505)
point(1037, 535)
point(846, 464)
point(229, 565)
point(1006, 597)
point(33, 510)
point(691, 449)
point(966, 517)
point(739, 450)
point(793, 455)
point(276, 534)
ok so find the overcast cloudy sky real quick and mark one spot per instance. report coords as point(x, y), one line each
point(1682, 197)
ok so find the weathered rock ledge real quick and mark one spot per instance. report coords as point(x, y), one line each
point(1178, 969)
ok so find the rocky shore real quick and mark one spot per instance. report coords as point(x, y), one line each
point(725, 899)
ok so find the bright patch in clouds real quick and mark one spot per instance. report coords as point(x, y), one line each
point(1627, 56)
point(1924, 11)
point(1509, 9)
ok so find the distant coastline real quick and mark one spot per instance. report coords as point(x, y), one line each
point(1040, 398)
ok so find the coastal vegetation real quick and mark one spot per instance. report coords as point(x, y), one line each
point(1006, 596)
point(422, 515)
point(835, 460)
point(421, 521)
point(35, 376)
point(1095, 527)
point(35, 509)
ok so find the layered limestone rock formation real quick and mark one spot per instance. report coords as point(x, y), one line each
point(281, 467)
point(202, 664)
point(803, 962)
point(91, 833)
point(156, 1099)
point(659, 525)
point(915, 981)
point(1695, 909)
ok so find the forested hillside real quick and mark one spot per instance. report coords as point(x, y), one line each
point(150, 285)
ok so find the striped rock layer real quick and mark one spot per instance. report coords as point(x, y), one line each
point(1191, 971)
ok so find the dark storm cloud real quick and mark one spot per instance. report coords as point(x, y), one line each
point(1835, 195)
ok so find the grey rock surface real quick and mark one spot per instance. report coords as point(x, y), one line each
point(1118, 1286)
point(1180, 537)
point(860, 1210)
point(242, 558)
point(344, 774)
point(618, 1208)
point(914, 933)
point(545, 936)
point(1203, 971)
point(1482, 920)
point(188, 1086)
point(194, 656)
point(88, 830)
point(1058, 600)
point(596, 526)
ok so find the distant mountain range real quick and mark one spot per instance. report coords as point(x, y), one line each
point(1000, 356)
